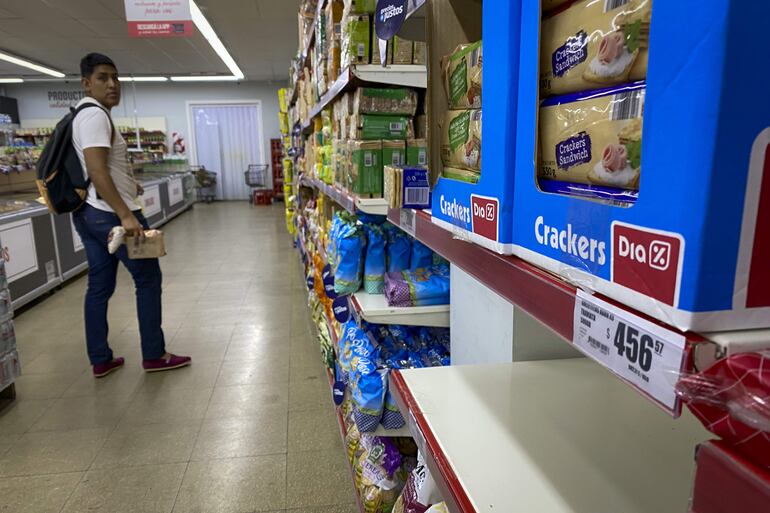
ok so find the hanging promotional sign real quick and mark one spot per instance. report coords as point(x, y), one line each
point(328, 277)
point(341, 309)
point(159, 18)
point(389, 17)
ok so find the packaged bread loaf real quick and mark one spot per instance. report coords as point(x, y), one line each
point(462, 76)
point(368, 100)
point(593, 139)
point(595, 44)
point(461, 139)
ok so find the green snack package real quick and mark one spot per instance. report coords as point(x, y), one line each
point(391, 101)
point(461, 139)
point(462, 175)
point(368, 127)
point(393, 153)
point(366, 171)
point(355, 40)
point(417, 152)
point(463, 76)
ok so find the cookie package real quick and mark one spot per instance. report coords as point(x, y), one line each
point(461, 139)
point(595, 44)
point(593, 139)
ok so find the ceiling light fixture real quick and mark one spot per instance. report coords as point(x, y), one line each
point(31, 65)
point(205, 28)
point(11, 80)
point(205, 78)
point(143, 79)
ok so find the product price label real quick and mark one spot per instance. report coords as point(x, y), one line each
point(408, 221)
point(644, 354)
point(341, 309)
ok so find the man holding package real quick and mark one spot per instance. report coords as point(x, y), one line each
point(112, 201)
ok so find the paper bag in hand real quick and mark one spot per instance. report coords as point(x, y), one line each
point(152, 246)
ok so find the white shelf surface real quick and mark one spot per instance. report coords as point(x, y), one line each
point(374, 308)
point(376, 206)
point(553, 437)
point(407, 75)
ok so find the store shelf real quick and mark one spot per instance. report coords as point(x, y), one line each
point(412, 75)
point(374, 308)
point(348, 201)
point(550, 299)
point(553, 437)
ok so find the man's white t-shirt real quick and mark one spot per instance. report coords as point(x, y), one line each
point(92, 129)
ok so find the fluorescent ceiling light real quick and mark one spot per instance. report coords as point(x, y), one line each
point(205, 28)
point(206, 78)
point(143, 79)
point(11, 80)
point(31, 65)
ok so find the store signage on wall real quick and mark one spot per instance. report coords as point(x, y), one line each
point(646, 355)
point(159, 18)
point(19, 250)
point(62, 99)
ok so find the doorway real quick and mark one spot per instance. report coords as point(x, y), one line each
point(226, 138)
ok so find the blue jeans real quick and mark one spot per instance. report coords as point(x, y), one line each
point(93, 226)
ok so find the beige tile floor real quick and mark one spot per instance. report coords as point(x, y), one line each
point(248, 427)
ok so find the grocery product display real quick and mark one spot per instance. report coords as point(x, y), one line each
point(10, 368)
point(577, 202)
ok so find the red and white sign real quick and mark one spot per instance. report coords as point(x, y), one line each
point(159, 18)
point(485, 216)
point(647, 261)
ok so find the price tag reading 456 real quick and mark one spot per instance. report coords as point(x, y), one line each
point(639, 351)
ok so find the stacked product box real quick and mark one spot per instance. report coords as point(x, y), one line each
point(373, 127)
point(9, 357)
point(640, 172)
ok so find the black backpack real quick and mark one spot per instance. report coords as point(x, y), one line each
point(60, 177)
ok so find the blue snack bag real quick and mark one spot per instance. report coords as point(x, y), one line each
point(399, 250)
point(368, 393)
point(348, 273)
point(422, 256)
point(391, 415)
point(374, 267)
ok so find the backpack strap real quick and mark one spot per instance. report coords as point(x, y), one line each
point(77, 111)
point(87, 105)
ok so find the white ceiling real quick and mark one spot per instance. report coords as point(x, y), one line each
point(261, 35)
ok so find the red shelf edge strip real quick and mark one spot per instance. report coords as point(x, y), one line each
point(457, 490)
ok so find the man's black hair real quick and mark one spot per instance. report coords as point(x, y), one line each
point(89, 63)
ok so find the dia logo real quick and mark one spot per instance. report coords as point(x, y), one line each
point(647, 261)
point(485, 216)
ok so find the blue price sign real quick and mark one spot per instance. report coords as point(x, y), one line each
point(328, 278)
point(389, 17)
point(310, 282)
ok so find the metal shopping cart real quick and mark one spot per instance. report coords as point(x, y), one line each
point(207, 184)
point(256, 178)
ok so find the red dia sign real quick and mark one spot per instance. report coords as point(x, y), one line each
point(647, 261)
point(485, 216)
point(158, 18)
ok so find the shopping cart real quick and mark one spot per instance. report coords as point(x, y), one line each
point(256, 178)
point(207, 184)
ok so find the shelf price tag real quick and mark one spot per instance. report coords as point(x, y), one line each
point(408, 221)
point(644, 354)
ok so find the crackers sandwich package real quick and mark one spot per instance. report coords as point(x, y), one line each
point(594, 138)
point(462, 76)
point(461, 175)
point(461, 139)
point(355, 40)
point(595, 44)
point(151, 246)
point(369, 100)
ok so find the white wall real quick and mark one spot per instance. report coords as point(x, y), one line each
point(155, 99)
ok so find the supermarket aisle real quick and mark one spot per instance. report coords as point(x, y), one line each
point(248, 427)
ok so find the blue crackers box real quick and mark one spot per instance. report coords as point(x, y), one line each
point(482, 212)
point(694, 249)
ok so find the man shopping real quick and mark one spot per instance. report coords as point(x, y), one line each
point(112, 201)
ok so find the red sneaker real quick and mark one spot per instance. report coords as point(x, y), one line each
point(102, 369)
point(163, 364)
